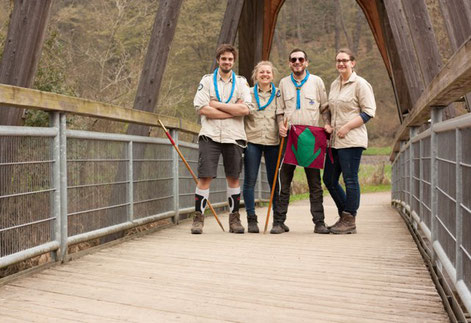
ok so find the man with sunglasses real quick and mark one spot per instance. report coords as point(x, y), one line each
point(222, 100)
point(301, 100)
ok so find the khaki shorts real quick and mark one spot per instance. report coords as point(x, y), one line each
point(209, 152)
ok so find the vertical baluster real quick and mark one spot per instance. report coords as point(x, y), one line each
point(63, 186)
point(130, 180)
point(176, 179)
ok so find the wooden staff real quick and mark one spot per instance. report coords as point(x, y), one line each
point(274, 180)
point(189, 169)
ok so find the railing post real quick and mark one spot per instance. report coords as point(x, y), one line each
point(176, 178)
point(421, 181)
point(412, 134)
point(130, 186)
point(63, 187)
point(436, 112)
point(459, 200)
point(56, 180)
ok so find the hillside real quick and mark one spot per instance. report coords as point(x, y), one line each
point(95, 49)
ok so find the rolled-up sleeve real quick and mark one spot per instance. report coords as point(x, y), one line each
point(366, 98)
point(280, 103)
point(202, 96)
point(324, 102)
point(246, 96)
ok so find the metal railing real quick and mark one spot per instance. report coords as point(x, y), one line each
point(60, 187)
point(432, 186)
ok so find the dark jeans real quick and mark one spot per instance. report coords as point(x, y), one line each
point(315, 193)
point(347, 163)
point(252, 157)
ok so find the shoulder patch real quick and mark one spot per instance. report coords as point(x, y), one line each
point(200, 87)
point(278, 93)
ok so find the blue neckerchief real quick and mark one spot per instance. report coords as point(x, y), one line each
point(255, 92)
point(298, 89)
point(215, 81)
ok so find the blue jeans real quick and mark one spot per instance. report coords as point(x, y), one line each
point(347, 163)
point(252, 158)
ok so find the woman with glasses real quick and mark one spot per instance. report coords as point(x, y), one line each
point(262, 136)
point(351, 104)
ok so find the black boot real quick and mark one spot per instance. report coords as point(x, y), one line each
point(277, 228)
point(252, 226)
point(321, 228)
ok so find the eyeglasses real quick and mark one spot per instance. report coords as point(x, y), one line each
point(294, 59)
point(342, 61)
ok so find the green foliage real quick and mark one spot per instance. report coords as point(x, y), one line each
point(96, 50)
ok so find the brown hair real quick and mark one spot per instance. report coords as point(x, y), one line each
point(259, 65)
point(226, 48)
point(346, 51)
point(297, 50)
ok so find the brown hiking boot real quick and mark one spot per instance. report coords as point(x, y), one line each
point(321, 228)
point(338, 221)
point(198, 223)
point(346, 224)
point(252, 226)
point(277, 229)
point(234, 223)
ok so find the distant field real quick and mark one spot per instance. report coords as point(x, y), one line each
point(377, 151)
point(373, 177)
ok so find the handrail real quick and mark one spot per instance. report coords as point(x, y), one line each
point(13, 96)
point(451, 83)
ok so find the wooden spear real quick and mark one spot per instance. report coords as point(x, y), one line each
point(189, 169)
point(280, 151)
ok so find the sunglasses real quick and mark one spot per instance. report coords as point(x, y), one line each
point(294, 59)
point(342, 61)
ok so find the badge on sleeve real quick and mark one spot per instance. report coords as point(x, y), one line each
point(278, 93)
point(200, 87)
point(311, 102)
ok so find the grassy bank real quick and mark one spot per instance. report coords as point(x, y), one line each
point(375, 177)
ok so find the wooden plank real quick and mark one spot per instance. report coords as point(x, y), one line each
point(271, 10)
point(250, 37)
point(230, 24)
point(405, 47)
point(156, 58)
point(456, 15)
point(423, 37)
point(375, 276)
point(401, 91)
point(453, 82)
point(371, 11)
point(22, 50)
point(34, 99)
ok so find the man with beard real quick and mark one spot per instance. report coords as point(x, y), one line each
point(222, 100)
point(301, 100)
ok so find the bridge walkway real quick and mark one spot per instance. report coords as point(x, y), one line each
point(171, 275)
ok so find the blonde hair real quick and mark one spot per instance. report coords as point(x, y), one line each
point(258, 66)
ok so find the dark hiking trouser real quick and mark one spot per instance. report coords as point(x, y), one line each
point(315, 193)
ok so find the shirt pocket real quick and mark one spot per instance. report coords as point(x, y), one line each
point(290, 101)
point(311, 102)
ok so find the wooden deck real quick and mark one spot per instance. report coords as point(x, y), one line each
point(171, 275)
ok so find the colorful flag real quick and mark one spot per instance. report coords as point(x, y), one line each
point(306, 146)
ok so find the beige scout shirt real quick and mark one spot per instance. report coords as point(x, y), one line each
point(346, 102)
point(313, 97)
point(222, 130)
point(260, 125)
